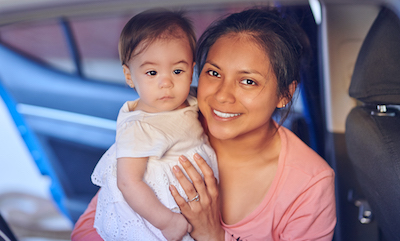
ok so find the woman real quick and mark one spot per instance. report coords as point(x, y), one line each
point(272, 186)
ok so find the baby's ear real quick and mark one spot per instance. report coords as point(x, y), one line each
point(128, 75)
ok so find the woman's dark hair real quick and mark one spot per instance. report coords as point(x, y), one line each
point(277, 35)
point(151, 25)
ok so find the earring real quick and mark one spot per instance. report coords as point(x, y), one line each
point(284, 105)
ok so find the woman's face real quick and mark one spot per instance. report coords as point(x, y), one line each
point(237, 91)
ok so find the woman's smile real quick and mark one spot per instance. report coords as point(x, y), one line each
point(225, 115)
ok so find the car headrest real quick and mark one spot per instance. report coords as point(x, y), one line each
point(376, 77)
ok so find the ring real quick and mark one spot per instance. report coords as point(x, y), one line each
point(197, 198)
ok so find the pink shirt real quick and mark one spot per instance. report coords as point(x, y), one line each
point(300, 204)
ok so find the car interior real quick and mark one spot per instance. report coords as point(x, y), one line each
point(372, 129)
point(62, 82)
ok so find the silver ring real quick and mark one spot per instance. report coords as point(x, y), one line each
point(197, 198)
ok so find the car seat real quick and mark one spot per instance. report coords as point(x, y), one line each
point(373, 127)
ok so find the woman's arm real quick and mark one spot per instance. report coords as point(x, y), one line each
point(203, 215)
point(84, 229)
point(141, 198)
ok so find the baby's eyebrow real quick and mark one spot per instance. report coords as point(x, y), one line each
point(147, 63)
point(152, 63)
point(181, 62)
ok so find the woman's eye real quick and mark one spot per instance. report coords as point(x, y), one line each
point(213, 73)
point(178, 71)
point(151, 72)
point(248, 82)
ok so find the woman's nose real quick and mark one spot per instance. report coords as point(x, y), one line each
point(225, 92)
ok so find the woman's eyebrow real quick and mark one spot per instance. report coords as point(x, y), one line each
point(213, 64)
point(245, 71)
point(249, 71)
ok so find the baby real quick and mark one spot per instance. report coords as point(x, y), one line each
point(157, 54)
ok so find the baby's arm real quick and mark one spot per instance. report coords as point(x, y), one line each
point(142, 200)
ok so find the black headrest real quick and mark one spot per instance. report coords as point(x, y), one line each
point(376, 77)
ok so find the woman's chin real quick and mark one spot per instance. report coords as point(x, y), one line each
point(220, 134)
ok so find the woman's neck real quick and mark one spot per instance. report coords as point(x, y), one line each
point(247, 167)
point(257, 146)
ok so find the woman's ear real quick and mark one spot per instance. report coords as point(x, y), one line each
point(128, 76)
point(285, 100)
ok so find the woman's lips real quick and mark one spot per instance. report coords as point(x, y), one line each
point(225, 115)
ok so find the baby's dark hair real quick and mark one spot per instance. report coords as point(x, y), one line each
point(151, 25)
point(277, 35)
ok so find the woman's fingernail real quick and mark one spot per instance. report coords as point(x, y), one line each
point(197, 156)
point(175, 169)
point(182, 158)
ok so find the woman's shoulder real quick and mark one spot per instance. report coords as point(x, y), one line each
point(301, 157)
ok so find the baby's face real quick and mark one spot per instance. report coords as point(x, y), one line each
point(162, 74)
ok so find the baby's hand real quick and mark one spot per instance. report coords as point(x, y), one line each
point(176, 228)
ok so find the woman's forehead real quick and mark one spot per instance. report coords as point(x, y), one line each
point(238, 44)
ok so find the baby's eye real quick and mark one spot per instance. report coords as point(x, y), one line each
point(151, 72)
point(213, 73)
point(178, 71)
point(248, 82)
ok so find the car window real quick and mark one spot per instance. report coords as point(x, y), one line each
point(43, 40)
point(97, 41)
point(95, 37)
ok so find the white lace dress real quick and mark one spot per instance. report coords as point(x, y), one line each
point(162, 137)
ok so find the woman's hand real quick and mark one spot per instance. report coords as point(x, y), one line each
point(203, 212)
